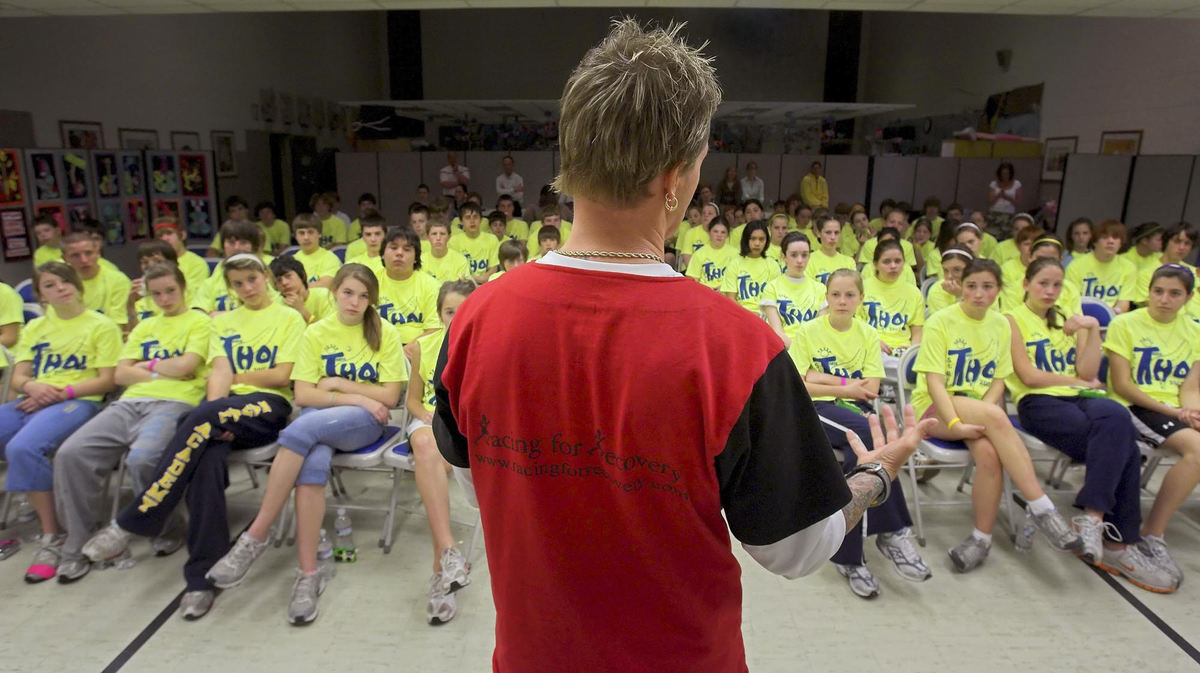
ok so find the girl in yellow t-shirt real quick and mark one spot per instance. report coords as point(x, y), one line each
point(1154, 369)
point(251, 352)
point(749, 274)
point(1055, 362)
point(161, 367)
point(695, 238)
point(793, 298)
point(348, 374)
point(970, 236)
point(826, 259)
point(1013, 269)
point(948, 291)
point(777, 227)
point(964, 359)
point(64, 366)
point(709, 264)
point(929, 260)
point(448, 564)
point(836, 354)
point(893, 307)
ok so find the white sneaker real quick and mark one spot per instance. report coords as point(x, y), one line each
point(454, 571)
point(233, 566)
point(1156, 547)
point(862, 582)
point(1091, 533)
point(196, 604)
point(109, 544)
point(1139, 568)
point(898, 547)
point(308, 588)
point(441, 607)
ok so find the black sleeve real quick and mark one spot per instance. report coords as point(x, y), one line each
point(450, 440)
point(777, 473)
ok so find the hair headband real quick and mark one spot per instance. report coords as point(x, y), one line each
point(972, 225)
point(1055, 241)
point(245, 255)
point(1179, 267)
point(961, 253)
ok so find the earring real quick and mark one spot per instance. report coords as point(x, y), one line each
point(672, 203)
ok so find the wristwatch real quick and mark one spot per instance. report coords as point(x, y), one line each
point(880, 471)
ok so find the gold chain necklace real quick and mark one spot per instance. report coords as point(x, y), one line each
point(603, 253)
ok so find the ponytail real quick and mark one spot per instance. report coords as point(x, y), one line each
point(372, 325)
point(372, 328)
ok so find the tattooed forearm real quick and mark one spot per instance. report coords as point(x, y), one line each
point(864, 488)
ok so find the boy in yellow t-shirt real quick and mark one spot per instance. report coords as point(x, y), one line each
point(514, 227)
point(313, 303)
point(373, 229)
point(478, 246)
point(320, 265)
point(439, 261)
point(49, 239)
point(512, 254)
point(333, 230)
point(104, 289)
point(407, 295)
point(237, 237)
point(1103, 274)
point(195, 269)
point(277, 235)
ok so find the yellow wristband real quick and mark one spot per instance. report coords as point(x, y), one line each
point(954, 420)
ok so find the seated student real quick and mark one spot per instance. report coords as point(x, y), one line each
point(777, 227)
point(312, 302)
point(162, 369)
point(891, 305)
point(550, 218)
point(348, 374)
point(277, 235)
point(856, 232)
point(802, 221)
point(965, 357)
point(1008, 249)
point(1079, 239)
point(948, 291)
point(105, 290)
point(1055, 359)
point(64, 367)
point(836, 355)
point(929, 258)
point(95, 230)
point(333, 229)
point(497, 225)
point(691, 219)
point(237, 237)
point(512, 254)
point(897, 221)
point(514, 227)
point(418, 221)
point(753, 212)
point(749, 274)
point(697, 237)
point(408, 295)
point(885, 208)
point(710, 262)
point(1154, 369)
point(931, 210)
point(1180, 240)
point(12, 316)
point(987, 242)
point(826, 259)
point(1145, 247)
point(320, 264)
point(373, 227)
point(1013, 271)
point(1103, 274)
point(251, 350)
point(478, 246)
point(236, 210)
point(549, 239)
point(193, 266)
point(794, 297)
point(450, 567)
point(367, 205)
point(49, 240)
point(970, 236)
point(351, 232)
point(141, 305)
point(440, 261)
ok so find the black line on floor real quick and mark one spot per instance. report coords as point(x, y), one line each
point(1149, 614)
point(146, 634)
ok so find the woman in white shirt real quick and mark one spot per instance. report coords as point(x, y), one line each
point(1005, 190)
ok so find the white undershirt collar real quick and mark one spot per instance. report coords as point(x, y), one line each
point(653, 270)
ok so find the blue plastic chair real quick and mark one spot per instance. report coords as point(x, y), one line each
point(340, 251)
point(25, 289)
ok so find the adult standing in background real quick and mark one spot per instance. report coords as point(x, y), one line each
point(510, 182)
point(453, 175)
point(729, 192)
point(814, 188)
point(1005, 191)
point(597, 512)
point(753, 186)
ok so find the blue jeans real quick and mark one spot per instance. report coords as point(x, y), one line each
point(27, 440)
point(319, 432)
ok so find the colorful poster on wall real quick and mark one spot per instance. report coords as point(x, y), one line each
point(12, 187)
point(132, 174)
point(108, 178)
point(45, 177)
point(77, 212)
point(193, 174)
point(199, 217)
point(75, 175)
point(114, 222)
point(137, 220)
point(164, 180)
point(168, 208)
point(15, 233)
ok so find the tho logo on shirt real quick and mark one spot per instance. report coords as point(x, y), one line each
point(1048, 358)
point(388, 313)
point(748, 288)
point(46, 361)
point(829, 366)
point(881, 319)
point(243, 358)
point(711, 272)
point(1092, 287)
point(966, 370)
point(150, 350)
point(822, 278)
point(478, 266)
point(793, 315)
point(225, 303)
point(336, 365)
point(1153, 369)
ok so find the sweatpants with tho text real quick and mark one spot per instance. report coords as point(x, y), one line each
point(194, 461)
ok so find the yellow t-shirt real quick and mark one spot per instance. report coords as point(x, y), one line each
point(708, 265)
point(821, 265)
point(695, 238)
point(431, 346)
point(319, 263)
point(168, 337)
point(1151, 261)
point(374, 263)
point(278, 235)
point(735, 236)
point(938, 299)
point(1141, 293)
point(893, 309)
point(146, 308)
point(108, 293)
point(45, 253)
point(1006, 250)
point(797, 300)
point(1160, 355)
point(194, 268)
point(987, 247)
point(748, 277)
point(1049, 350)
point(853, 354)
point(516, 230)
point(214, 295)
point(1109, 282)
point(848, 243)
point(330, 348)
point(12, 307)
point(410, 304)
point(356, 248)
point(354, 230)
point(452, 266)
point(866, 255)
point(968, 353)
point(932, 258)
point(254, 341)
point(482, 252)
point(319, 303)
point(68, 352)
point(333, 231)
point(532, 246)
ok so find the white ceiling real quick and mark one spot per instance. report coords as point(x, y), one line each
point(1125, 8)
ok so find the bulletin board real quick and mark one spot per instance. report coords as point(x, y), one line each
point(14, 216)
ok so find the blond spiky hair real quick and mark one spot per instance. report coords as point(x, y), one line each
point(639, 103)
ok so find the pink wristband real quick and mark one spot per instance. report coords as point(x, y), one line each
point(70, 392)
point(153, 363)
point(843, 381)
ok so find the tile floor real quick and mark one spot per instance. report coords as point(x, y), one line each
point(1039, 612)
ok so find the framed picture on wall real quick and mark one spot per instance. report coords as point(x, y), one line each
point(138, 139)
point(224, 156)
point(1121, 142)
point(12, 185)
point(1054, 157)
point(185, 140)
point(81, 135)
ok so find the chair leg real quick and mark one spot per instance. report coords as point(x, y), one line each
point(968, 471)
point(337, 475)
point(4, 513)
point(253, 477)
point(389, 521)
point(911, 468)
point(1147, 471)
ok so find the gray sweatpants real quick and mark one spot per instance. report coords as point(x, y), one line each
point(142, 425)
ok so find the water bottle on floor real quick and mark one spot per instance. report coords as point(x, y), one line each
point(325, 556)
point(343, 544)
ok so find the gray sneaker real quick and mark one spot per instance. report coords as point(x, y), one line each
point(898, 547)
point(46, 558)
point(305, 592)
point(1091, 534)
point(1139, 568)
point(1058, 532)
point(73, 569)
point(862, 582)
point(454, 571)
point(441, 607)
point(109, 544)
point(196, 604)
point(172, 538)
point(1156, 547)
point(969, 554)
point(233, 566)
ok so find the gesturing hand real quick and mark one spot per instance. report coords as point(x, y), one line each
point(898, 447)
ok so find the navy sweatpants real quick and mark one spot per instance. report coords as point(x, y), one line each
point(194, 462)
point(1098, 433)
point(888, 517)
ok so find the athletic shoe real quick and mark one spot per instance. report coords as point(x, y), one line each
point(1091, 534)
point(172, 538)
point(73, 569)
point(898, 547)
point(454, 571)
point(109, 544)
point(441, 607)
point(46, 558)
point(196, 604)
point(233, 566)
point(1156, 547)
point(308, 587)
point(862, 582)
point(970, 554)
point(1057, 531)
point(1139, 568)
